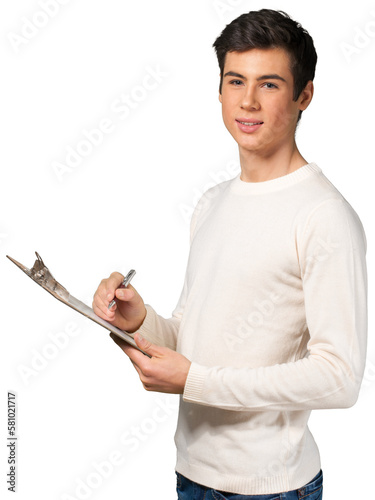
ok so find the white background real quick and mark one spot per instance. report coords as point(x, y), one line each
point(128, 205)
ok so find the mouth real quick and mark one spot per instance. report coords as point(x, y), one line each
point(249, 126)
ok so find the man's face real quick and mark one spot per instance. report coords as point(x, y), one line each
point(258, 88)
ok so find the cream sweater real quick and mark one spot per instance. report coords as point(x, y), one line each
point(273, 316)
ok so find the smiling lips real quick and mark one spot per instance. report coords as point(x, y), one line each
point(248, 125)
point(248, 122)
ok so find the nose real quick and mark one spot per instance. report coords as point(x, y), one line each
point(250, 100)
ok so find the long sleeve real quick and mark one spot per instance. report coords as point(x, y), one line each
point(163, 331)
point(331, 250)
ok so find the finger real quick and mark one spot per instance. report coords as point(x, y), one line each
point(119, 341)
point(136, 357)
point(125, 346)
point(101, 309)
point(99, 301)
point(146, 346)
point(125, 294)
point(105, 294)
point(113, 282)
point(141, 375)
point(116, 278)
point(138, 370)
point(107, 288)
point(100, 296)
point(140, 362)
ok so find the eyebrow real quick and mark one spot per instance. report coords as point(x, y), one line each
point(273, 76)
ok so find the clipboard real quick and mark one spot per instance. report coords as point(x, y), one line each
point(42, 275)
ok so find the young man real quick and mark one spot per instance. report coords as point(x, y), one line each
point(272, 318)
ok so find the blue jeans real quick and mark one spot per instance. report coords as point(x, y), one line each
point(188, 490)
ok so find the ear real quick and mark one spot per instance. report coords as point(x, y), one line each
point(220, 96)
point(306, 96)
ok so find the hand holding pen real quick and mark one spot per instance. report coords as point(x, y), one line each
point(124, 284)
point(129, 312)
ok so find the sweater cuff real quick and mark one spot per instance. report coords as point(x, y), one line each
point(194, 383)
point(147, 327)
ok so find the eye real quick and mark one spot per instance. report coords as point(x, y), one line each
point(273, 86)
point(236, 83)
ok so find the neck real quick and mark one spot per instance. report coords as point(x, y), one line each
point(257, 167)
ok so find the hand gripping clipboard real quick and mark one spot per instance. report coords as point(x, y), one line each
point(42, 275)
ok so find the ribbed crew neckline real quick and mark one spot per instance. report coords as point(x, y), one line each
point(242, 187)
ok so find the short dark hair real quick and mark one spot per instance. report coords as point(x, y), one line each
point(267, 28)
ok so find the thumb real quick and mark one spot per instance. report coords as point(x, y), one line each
point(147, 346)
point(125, 294)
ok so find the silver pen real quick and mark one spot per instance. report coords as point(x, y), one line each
point(124, 284)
